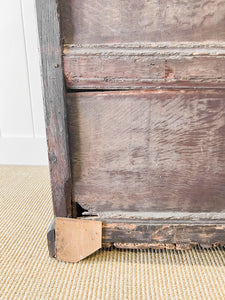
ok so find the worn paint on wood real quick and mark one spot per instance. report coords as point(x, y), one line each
point(143, 246)
point(135, 67)
point(143, 44)
point(148, 151)
point(140, 152)
point(76, 239)
point(163, 233)
point(128, 21)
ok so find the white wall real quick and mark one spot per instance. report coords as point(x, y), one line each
point(22, 129)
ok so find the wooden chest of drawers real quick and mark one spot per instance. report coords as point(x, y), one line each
point(135, 116)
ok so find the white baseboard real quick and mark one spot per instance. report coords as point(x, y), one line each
point(23, 151)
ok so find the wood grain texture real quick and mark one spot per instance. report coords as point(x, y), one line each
point(55, 112)
point(76, 238)
point(148, 151)
point(136, 66)
point(128, 21)
point(148, 164)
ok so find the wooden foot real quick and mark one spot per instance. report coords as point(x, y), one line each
point(76, 239)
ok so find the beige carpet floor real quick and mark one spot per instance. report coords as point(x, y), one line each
point(27, 272)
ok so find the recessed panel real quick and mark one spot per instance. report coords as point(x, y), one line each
point(148, 151)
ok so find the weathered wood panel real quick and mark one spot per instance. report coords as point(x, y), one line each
point(148, 151)
point(128, 21)
point(55, 111)
point(135, 67)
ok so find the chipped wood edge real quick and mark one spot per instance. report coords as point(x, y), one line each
point(146, 246)
point(76, 239)
point(110, 245)
point(163, 234)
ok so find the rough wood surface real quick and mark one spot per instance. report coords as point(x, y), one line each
point(163, 233)
point(76, 238)
point(143, 44)
point(136, 66)
point(127, 21)
point(137, 154)
point(148, 151)
point(55, 111)
point(143, 246)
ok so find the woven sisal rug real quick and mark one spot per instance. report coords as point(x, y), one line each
point(26, 271)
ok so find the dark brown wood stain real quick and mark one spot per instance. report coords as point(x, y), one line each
point(55, 112)
point(148, 162)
